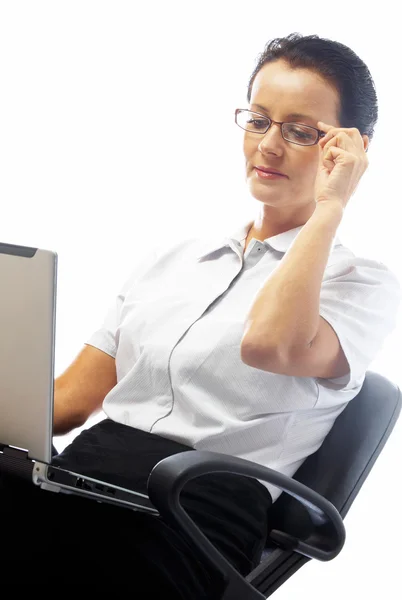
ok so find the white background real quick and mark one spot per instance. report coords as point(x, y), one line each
point(85, 173)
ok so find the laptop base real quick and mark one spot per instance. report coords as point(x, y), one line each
point(16, 461)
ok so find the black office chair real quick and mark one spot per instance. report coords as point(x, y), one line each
point(307, 519)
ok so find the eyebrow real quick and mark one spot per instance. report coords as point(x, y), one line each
point(294, 114)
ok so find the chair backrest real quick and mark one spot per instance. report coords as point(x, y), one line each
point(338, 469)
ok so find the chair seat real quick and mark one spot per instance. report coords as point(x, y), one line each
point(265, 553)
point(331, 477)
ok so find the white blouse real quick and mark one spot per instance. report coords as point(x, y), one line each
point(175, 330)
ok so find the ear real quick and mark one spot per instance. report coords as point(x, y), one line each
point(366, 142)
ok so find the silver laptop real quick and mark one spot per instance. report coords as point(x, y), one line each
point(28, 279)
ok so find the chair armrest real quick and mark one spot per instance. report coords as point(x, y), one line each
point(169, 475)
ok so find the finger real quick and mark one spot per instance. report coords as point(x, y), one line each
point(341, 139)
point(330, 131)
point(328, 136)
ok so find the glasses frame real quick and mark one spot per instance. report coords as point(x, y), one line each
point(281, 123)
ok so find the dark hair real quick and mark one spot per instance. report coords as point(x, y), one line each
point(339, 65)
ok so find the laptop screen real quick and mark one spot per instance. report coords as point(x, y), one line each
point(27, 339)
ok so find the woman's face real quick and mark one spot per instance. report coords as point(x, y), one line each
point(277, 92)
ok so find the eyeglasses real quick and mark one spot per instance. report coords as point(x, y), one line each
point(296, 133)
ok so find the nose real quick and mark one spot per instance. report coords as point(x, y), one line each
point(273, 131)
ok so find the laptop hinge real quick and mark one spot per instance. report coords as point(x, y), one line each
point(15, 461)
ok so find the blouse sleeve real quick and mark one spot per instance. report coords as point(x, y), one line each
point(360, 299)
point(105, 337)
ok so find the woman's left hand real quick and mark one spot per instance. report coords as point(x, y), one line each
point(343, 161)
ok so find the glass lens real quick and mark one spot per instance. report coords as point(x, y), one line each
point(293, 132)
point(300, 134)
point(252, 121)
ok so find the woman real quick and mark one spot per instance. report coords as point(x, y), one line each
point(250, 345)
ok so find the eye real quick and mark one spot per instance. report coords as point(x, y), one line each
point(258, 123)
point(301, 132)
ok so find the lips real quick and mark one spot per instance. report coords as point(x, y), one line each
point(268, 170)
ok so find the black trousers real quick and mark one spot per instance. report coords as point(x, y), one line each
point(77, 544)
